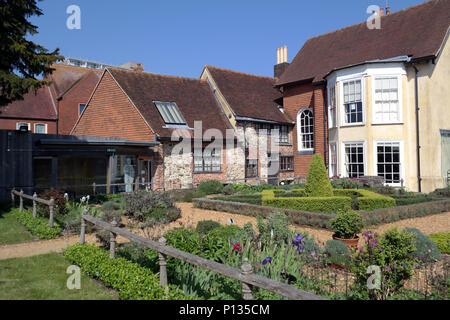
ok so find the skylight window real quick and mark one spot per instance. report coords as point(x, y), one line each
point(170, 113)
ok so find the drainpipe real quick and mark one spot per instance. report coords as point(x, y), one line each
point(325, 132)
point(416, 92)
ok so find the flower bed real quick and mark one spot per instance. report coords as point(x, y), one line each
point(38, 226)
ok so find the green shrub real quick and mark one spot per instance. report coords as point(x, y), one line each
point(191, 194)
point(210, 187)
point(246, 189)
point(442, 240)
point(337, 253)
point(313, 204)
point(347, 224)
point(392, 253)
point(275, 228)
point(38, 226)
point(151, 207)
point(426, 249)
point(367, 200)
point(317, 182)
point(346, 183)
point(203, 227)
point(444, 192)
point(408, 199)
point(244, 198)
point(110, 205)
point(228, 190)
point(131, 280)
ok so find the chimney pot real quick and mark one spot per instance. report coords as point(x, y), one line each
point(381, 12)
point(388, 10)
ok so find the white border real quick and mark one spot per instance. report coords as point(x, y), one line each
point(46, 129)
point(299, 140)
point(27, 123)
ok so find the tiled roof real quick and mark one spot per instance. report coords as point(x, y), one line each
point(417, 32)
point(249, 95)
point(192, 96)
point(33, 106)
point(64, 76)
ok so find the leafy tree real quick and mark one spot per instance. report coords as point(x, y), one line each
point(22, 61)
point(317, 182)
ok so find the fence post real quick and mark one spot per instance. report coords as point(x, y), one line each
point(246, 288)
point(52, 208)
point(83, 228)
point(93, 187)
point(162, 265)
point(34, 205)
point(13, 201)
point(112, 241)
point(21, 201)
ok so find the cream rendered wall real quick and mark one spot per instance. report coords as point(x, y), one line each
point(434, 114)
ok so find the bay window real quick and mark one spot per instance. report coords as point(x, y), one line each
point(388, 162)
point(387, 107)
point(353, 106)
point(354, 159)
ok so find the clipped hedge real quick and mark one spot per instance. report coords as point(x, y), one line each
point(313, 204)
point(367, 200)
point(38, 226)
point(442, 240)
point(313, 219)
point(317, 182)
point(131, 280)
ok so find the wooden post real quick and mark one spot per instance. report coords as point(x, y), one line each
point(93, 188)
point(13, 202)
point(21, 201)
point(52, 208)
point(83, 228)
point(34, 205)
point(162, 265)
point(246, 288)
point(112, 242)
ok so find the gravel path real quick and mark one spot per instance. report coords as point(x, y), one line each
point(191, 216)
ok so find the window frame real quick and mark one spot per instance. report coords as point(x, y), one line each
point(342, 104)
point(247, 160)
point(291, 162)
point(402, 160)
point(343, 162)
point(399, 95)
point(330, 174)
point(23, 123)
point(332, 123)
point(208, 162)
point(300, 147)
point(45, 127)
point(84, 108)
point(166, 105)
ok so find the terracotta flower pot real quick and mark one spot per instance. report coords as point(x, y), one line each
point(350, 243)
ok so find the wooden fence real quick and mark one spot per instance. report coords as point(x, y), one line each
point(244, 275)
point(50, 203)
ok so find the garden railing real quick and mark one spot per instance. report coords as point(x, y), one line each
point(244, 275)
point(50, 203)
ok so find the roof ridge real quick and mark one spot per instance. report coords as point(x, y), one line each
point(156, 74)
point(244, 73)
point(364, 22)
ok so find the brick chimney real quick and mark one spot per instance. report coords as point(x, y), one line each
point(381, 12)
point(388, 10)
point(282, 63)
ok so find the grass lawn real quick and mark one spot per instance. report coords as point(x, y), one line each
point(44, 277)
point(11, 230)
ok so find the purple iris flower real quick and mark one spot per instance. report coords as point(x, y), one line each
point(267, 260)
point(298, 242)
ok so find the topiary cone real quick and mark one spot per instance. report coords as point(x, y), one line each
point(317, 182)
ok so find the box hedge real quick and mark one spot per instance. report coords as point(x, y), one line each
point(131, 280)
point(367, 200)
point(38, 226)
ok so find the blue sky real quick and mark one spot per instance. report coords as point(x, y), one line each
point(178, 37)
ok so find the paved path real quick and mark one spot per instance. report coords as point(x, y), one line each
point(191, 216)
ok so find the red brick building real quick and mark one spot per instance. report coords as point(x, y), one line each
point(140, 106)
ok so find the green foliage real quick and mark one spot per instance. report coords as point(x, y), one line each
point(110, 205)
point(248, 189)
point(317, 182)
point(60, 202)
point(151, 208)
point(38, 226)
point(366, 200)
point(275, 228)
point(191, 194)
point(210, 187)
point(347, 224)
point(412, 199)
point(337, 253)
point(243, 198)
point(131, 280)
point(203, 227)
point(313, 204)
point(444, 192)
point(346, 183)
point(392, 252)
point(426, 249)
point(228, 190)
point(442, 240)
point(23, 61)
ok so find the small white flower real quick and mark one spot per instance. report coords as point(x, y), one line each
point(87, 197)
point(66, 196)
point(271, 234)
point(83, 200)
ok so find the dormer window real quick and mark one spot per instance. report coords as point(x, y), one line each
point(170, 113)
